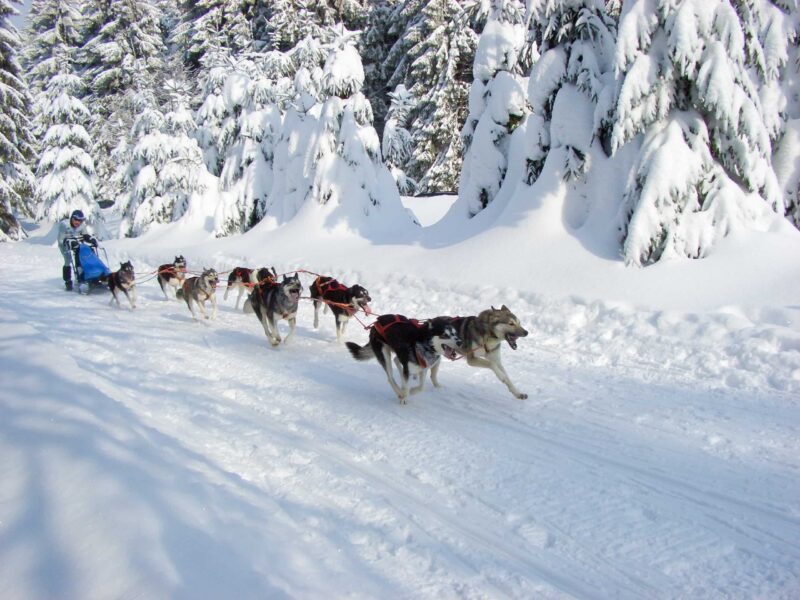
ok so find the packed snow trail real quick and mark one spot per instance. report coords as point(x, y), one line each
point(147, 455)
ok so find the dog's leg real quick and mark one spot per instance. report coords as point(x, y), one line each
point(265, 324)
point(292, 325)
point(191, 308)
point(113, 297)
point(163, 289)
point(435, 373)
point(132, 297)
point(422, 374)
point(239, 297)
point(214, 304)
point(228, 289)
point(405, 376)
point(497, 367)
point(340, 319)
point(202, 306)
point(276, 335)
point(341, 324)
point(386, 363)
point(316, 314)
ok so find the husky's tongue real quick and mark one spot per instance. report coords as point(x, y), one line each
point(512, 341)
point(367, 310)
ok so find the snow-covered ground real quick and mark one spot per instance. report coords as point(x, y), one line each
point(145, 455)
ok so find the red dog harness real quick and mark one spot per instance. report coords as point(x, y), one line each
point(381, 329)
point(331, 285)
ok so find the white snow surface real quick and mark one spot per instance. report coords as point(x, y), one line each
point(146, 455)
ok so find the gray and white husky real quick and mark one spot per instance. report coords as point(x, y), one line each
point(416, 346)
point(272, 301)
point(199, 290)
point(482, 337)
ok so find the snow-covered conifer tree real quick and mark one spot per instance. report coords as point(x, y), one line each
point(433, 58)
point(497, 105)
point(396, 144)
point(247, 173)
point(16, 149)
point(212, 112)
point(574, 50)
point(705, 167)
point(52, 31)
point(123, 56)
point(167, 167)
point(65, 176)
point(772, 30)
point(292, 166)
point(351, 186)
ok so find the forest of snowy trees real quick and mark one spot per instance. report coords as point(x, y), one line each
point(275, 106)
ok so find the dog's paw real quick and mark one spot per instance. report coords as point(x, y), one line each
point(522, 396)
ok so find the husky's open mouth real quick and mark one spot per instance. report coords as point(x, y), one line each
point(512, 340)
point(294, 295)
point(449, 352)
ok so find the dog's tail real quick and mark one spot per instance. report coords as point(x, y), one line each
point(361, 352)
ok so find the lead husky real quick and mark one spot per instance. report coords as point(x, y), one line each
point(123, 279)
point(198, 290)
point(417, 346)
point(172, 274)
point(482, 337)
point(272, 301)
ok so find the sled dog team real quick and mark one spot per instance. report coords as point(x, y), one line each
point(415, 347)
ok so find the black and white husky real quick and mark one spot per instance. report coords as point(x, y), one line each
point(272, 301)
point(342, 301)
point(123, 280)
point(172, 274)
point(242, 279)
point(417, 347)
point(199, 290)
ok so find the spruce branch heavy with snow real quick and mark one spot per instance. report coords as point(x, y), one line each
point(497, 105)
point(65, 177)
point(167, 167)
point(685, 84)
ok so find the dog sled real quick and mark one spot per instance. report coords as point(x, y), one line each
point(90, 270)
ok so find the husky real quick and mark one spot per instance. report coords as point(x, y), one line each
point(123, 279)
point(241, 278)
point(417, 346)
point(172, 274)
point(482, 336)
point(343, 301)
point(272, 301)
point(198, 290)
point(263, 276)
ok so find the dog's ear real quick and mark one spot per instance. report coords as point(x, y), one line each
point(493, 308)
point(505, 308)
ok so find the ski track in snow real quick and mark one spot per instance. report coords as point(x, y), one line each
point(153, 456)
